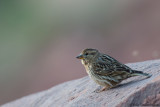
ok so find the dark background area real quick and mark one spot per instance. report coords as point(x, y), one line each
point(39, 39)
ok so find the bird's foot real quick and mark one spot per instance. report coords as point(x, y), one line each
point(102, 89)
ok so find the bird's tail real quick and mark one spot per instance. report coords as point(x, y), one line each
point(139, 73)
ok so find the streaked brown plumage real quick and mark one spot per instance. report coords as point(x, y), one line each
point(105, 70)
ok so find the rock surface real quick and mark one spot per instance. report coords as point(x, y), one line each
point(135, 91)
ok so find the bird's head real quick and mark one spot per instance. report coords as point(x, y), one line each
point(88, 54)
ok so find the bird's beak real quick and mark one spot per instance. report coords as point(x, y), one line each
point(80, 56)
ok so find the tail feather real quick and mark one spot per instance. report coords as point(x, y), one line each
point(139, 73)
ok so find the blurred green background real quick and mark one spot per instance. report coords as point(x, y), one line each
point(39, 39)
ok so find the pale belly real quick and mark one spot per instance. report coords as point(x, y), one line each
point(99, 81)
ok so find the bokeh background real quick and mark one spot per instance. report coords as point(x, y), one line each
point(39, 39)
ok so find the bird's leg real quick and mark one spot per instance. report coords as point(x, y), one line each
point(102, 89)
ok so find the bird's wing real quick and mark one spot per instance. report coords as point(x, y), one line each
point(108, 65)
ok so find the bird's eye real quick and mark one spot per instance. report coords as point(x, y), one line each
point(86, 53)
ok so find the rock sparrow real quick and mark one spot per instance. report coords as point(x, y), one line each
point(105, 70)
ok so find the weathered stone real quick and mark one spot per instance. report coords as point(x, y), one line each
point(136, 91)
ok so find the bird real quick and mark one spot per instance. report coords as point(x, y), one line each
point(106, 70)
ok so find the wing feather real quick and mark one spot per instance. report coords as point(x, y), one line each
point(109, 66)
